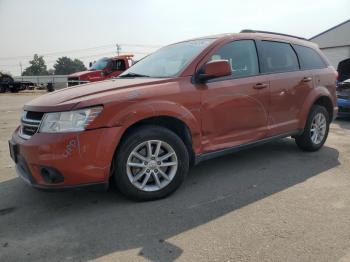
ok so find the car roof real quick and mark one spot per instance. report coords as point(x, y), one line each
point(259, 35)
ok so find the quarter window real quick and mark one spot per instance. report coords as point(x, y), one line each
point(242, 56)
point(309, 58)
point(278, 57)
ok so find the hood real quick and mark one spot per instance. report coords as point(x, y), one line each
point(86, 73)
point(67, 98)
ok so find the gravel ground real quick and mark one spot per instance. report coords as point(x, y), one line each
point(270, 203)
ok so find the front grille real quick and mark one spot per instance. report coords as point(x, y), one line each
point(30, 122)
point(34, 115)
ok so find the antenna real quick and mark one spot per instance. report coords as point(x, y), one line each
point(118, 49)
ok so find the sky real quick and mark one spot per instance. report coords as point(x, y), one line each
point(90, 29)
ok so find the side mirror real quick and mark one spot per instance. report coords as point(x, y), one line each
point(215, 68)
point(90, 64)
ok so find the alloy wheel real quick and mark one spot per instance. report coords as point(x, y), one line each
point(152, 165)
point(318, 128)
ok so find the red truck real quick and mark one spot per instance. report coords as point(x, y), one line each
point(102, 69)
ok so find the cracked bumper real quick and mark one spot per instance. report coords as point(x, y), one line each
point(83, 159)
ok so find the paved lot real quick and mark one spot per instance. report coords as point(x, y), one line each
point(270, 203)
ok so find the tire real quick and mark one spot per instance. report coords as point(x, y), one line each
point(151, 167)
point(2, 88)
point(14, 88)
point(306, 141)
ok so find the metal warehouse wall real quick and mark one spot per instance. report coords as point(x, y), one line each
point(335, 42)
point(336, 54)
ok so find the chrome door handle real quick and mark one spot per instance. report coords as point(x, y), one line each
point(307, 79)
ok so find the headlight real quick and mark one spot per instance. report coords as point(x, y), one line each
point(70, 121)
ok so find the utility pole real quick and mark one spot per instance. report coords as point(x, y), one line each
point(20, 65)
point(118, 49)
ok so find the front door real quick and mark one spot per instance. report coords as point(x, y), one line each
point(234, 109)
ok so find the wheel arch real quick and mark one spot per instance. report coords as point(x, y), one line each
point(172, 123)
point(326, 102)
point(320, 96)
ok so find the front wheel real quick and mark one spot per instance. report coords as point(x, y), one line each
point(151, 163)
point(315, 131)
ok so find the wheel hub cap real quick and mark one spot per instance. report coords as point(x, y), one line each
point(318, 128)
point(152, 165)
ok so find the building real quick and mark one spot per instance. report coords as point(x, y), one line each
point(335, 43)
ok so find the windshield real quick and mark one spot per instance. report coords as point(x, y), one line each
point(100, 64)
point(168, 61)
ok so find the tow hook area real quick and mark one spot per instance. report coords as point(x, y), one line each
point(51, 175)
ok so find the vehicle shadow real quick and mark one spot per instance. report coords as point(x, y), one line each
point(82, 225)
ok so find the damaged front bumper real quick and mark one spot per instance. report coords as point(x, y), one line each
point(67, 160)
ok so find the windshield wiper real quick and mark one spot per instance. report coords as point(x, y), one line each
point(133, 75)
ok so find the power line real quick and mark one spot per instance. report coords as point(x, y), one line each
point(111, 53)
point(81, 50)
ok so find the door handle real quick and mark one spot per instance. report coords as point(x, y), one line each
point(260, 86)
point(307, 79)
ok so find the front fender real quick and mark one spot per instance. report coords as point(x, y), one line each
point(133, 112)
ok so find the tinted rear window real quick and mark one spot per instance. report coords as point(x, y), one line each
point(278, 57)
point(309, 58)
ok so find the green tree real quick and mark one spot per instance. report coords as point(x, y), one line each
point(65, 66)
point(37, 67)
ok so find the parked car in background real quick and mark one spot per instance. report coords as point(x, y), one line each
point(7, 84)
point(343, 98)
point(102, 69)
point(343, 88)
point(344, 70)
point(187, 102)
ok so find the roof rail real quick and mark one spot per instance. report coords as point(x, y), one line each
point(273, 33)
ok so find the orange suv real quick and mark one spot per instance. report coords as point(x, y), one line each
point(183, 104)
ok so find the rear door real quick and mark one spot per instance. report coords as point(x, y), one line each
point(288, 85)
point(235, 108)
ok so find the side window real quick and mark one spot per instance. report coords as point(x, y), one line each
point(118, 65)
point(242, 56)
point(278, 57)
point(309, 58)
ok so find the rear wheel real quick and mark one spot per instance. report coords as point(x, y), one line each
point(2, 88)
point(151, 163)
point(14, 88)
point(315, 131)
